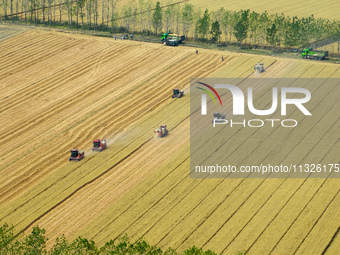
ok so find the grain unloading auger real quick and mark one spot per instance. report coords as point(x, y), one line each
point(76, 155)
point(99, 145)
point(161, 131)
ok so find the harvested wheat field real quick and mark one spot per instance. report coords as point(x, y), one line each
point(61, 91)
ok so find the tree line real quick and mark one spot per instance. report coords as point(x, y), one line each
point(35, 243)
point(145, 17)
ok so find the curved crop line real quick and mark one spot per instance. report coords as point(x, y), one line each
point(208, 93)
point(218, 96)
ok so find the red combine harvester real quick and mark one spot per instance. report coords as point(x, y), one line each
point(76, 155)
point(177, 93)
point(99, 145)
point(161, 131)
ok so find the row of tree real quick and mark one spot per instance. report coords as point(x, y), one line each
point(35, 243)
point(143, 16)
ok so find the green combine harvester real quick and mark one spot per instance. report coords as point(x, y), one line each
point(314, 54)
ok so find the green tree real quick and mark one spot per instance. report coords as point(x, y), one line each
point(157, 17)
point(203, 24)
point(197, 251)
point(215, 32)
point(35, 243)
point(264, 23)
point(241, 27)
point(61, 246)
point(254, 18)
point(6, 239)
point(271, 36)
point(187, 17)
point(83, 246)
point(292, 32)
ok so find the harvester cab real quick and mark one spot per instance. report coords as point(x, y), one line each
point(76, 155)
point(177, 93)
point(259, 68)
point(161, 131)
point(99, 145)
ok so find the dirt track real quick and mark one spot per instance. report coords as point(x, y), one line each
point(62, 91)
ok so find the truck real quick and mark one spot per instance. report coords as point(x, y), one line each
point(167, 37)
point(314, 54)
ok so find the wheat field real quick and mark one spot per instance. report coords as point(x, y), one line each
point(61, 91)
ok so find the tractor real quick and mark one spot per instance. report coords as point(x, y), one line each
point(218, 117)
point(76, 155)
point(99, 145)
point(178, 93)
point(161, 131)
point(259, 68)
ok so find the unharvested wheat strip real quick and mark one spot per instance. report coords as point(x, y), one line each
point(272, 226)
point(269, 211)
point(311, 213)
point(247, 239)
point(204, 231)
point(326, 226)
point(311, 157)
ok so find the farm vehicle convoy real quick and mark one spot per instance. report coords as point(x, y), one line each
point(161, 131)
point(100, 144)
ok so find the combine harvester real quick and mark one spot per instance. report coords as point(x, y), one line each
point(259, 68)
point(314, 54)
point(218, 117)
point(161, 131)
point(177, 93)
point(76, 155)
point(99, 145)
